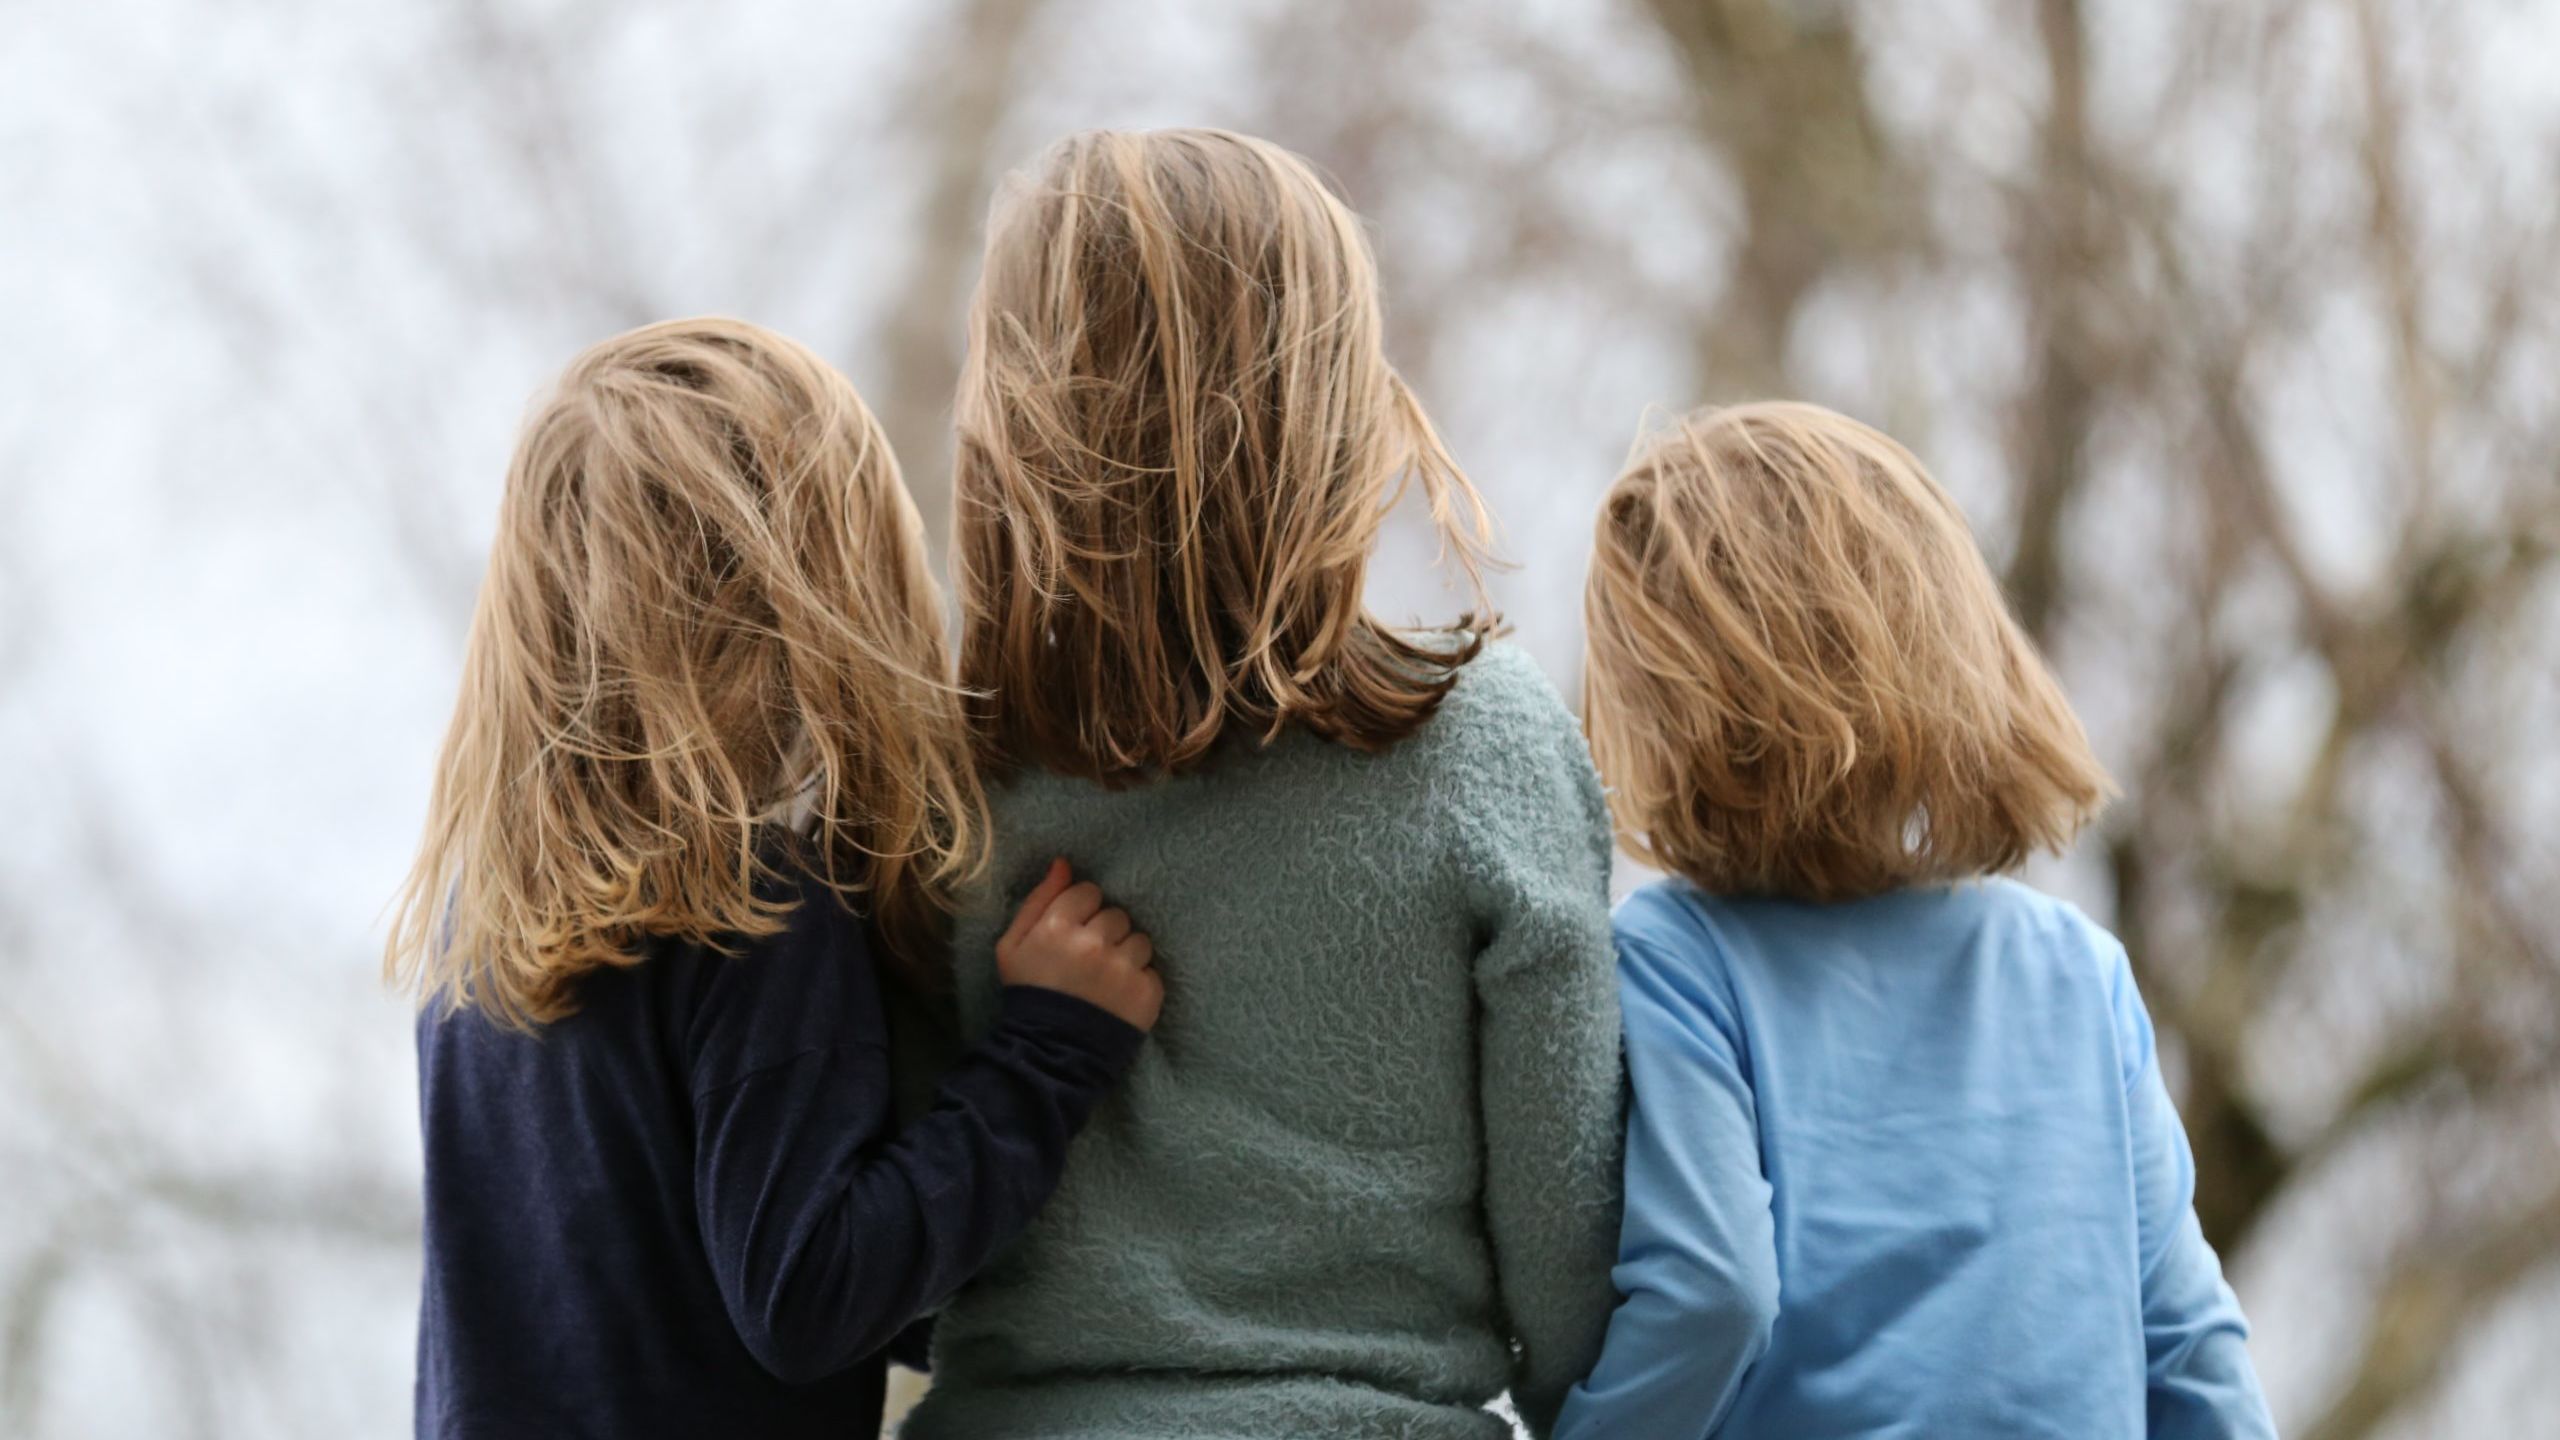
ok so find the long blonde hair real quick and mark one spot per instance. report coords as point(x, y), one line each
point(706, 625)
point(1802, 679)
point(1179, 434)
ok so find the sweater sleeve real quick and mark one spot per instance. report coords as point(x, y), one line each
point(1549, 1074)
point(830, 1229)
point(2200, 1383)
point(1698, 1259)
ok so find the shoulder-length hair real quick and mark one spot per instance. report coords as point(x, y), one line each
point(706, 622)
point(1178, 435)
point(1802, 679)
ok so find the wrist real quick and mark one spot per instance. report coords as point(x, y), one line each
point(1057, 1018)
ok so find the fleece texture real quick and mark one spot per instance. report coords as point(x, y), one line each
point(1365, 1177)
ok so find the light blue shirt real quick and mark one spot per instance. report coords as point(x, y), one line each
point(1903, 1167)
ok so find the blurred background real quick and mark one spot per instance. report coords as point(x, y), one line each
point(2233, 325)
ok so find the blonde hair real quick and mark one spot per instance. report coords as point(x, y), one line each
point(706, 625)
point(1802, 679)
point(1179, 434)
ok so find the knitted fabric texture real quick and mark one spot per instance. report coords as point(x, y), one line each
point(1365, 1176)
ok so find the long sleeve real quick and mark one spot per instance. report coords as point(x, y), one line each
point(2200, 1383)
point(1550, 1075)
point(828, 1228)
point(1697, 1256)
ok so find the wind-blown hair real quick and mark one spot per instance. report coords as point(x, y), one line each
point(706, 625)
point(1802, 680)
point(1179, 434)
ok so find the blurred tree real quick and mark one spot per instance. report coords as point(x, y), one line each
point(1778, 93)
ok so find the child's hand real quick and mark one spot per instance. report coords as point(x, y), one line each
point(1063, 939)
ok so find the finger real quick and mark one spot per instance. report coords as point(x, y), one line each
point(1148, 987)
point(1112, 925)
point(1137, 951)
point(1036, 904)
point(1075, 905)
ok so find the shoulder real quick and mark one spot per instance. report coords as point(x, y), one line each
point(1667, 914)
point(2063, 930)
point(1503, 687)
point(1503, 717)
point(1672, 955)
point(2086, 952)
point(1504, 763)
point(1671, 925)
point(820, 927)
point(809, 984)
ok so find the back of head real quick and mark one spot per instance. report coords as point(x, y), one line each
point(706, 623)
point(1179, 435)
point(1802, 679)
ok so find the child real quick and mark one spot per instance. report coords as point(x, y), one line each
point(704, 713)
point(1900, 1161)
point(1374, 1149)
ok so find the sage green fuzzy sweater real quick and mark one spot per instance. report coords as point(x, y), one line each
point(1365, 1177)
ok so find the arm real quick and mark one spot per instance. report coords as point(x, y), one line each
point(2201, 1384)
point(1549, 1075)
point(827, 1235)
point(826, 1246)
point(1697, 1259)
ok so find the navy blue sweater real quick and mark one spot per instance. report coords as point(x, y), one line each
point(688, 1210)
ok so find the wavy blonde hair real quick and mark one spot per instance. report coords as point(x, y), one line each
point(1179, 434)
point(1802, 679)
point(706, 624)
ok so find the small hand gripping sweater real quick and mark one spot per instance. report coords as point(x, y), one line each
point(1365, 1177)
